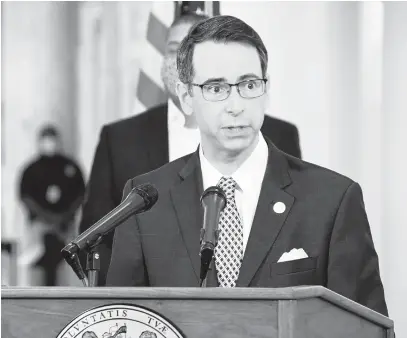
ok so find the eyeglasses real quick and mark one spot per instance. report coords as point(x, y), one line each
point(219, 91)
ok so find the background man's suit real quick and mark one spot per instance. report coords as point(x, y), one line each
point(324, 216)
point(137, 145)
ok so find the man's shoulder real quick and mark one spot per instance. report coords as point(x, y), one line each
point(316, 176)
point(140, 121)
point(271, 122)
point(164, 176)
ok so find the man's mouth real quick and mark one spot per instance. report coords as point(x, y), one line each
point(235, 127)
point(235, 130)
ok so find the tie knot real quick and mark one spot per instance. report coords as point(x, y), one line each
point(228, 185)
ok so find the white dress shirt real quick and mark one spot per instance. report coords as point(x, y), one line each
point(249, 178)
point(181, 140)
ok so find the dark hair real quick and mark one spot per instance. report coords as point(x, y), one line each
point(190, 17)
point(221, 28)
point(48, 130)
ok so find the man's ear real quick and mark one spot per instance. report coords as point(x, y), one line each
point(184, 98)
point(268, 83)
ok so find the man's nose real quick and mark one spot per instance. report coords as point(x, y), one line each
point(234, 103)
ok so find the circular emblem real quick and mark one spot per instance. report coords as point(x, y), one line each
point(119, 321)
point(279, 207)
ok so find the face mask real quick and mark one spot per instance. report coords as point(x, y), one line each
point(48, 146)
point(169, 75)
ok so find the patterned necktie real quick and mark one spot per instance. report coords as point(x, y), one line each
point(229, 250)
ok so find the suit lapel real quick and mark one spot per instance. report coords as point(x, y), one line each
point(158, 137)
point(186, 200)
point(267, 223)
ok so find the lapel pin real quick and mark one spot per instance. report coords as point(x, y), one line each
point(279, 207)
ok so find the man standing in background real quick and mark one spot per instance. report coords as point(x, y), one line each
point(142, 143)
point(51, 190)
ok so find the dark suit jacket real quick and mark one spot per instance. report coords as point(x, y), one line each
point(137, 145)
point(324, 215)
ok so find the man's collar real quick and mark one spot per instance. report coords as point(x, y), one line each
point(210, 175)
point(277, 171)
point(255, 164)
point(243, 175)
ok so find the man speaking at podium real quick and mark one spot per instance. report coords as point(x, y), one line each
point(287, 222)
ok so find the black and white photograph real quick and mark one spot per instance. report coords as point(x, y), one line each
point(203, 169)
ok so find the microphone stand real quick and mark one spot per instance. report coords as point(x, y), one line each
point(93, 266)
point(210, 233)
point(70, 253)
point(207, 253)
point(93, 262)
point(202, 282)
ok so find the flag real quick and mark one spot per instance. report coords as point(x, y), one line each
point(150, 90)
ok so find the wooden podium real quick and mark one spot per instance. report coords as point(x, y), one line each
point(297, 312)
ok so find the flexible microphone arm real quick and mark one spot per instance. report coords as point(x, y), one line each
point(140, 199)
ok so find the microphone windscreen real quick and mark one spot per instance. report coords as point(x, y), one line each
point(213, 191)
point(149, 194)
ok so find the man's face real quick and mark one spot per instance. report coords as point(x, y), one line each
point(231, 125)
point(169, 73)
point(49, 145)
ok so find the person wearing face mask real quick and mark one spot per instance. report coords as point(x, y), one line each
point(51, 190)
point(145, 142)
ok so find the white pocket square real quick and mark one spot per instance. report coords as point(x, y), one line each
point(293, 255)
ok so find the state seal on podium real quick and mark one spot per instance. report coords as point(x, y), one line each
point(120, 321)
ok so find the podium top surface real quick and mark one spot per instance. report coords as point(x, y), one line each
point(290, 293)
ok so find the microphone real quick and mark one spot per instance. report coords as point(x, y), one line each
point(140, 199)
point(213, 201)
